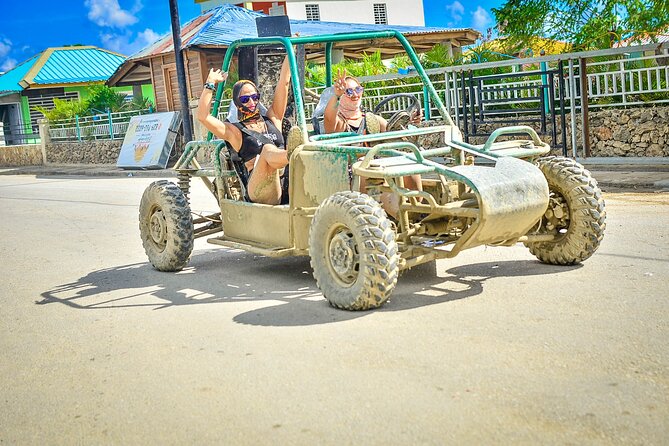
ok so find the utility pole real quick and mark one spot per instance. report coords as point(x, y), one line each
point(181, 73)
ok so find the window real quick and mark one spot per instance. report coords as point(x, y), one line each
point(380, 14)
point(313, 13)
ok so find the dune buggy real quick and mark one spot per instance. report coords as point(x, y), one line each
point(499, 193)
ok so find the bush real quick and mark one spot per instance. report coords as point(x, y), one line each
point(64, 109)
point(100, 98)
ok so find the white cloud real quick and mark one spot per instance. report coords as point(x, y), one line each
point(456, 9)
point(481, 19)
point(128, 44)
point(8, 64)
point(5, 47)
point(148, 36)
point(109, 13)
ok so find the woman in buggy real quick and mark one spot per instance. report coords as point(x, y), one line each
point(256, 138)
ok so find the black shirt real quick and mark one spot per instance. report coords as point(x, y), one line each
point(252, 141)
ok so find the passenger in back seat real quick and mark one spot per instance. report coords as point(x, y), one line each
point(344, 113)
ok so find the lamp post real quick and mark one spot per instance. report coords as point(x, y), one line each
point(181, 73)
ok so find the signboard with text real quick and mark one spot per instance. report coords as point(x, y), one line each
point(149, 140)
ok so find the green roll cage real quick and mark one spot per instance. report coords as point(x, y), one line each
point(329, 41)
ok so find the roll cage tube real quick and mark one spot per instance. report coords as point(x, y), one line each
point(328, 40)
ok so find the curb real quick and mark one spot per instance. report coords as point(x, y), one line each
point(608, 176)
point(86, 171)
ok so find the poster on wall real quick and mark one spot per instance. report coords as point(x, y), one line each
point(149, 140)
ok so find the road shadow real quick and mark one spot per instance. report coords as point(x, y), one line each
point(286, 285)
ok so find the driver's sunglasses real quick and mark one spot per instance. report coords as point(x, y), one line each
point(244, 99)
point(351, 91)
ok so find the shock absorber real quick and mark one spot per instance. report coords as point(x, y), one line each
point(183, 181)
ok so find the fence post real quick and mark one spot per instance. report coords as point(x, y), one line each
point(572, 106)
point(76, 117)
point(622, 79)
point(583, 73)
point(447, 92)
point(44, 137)
point(111, 126)
point(544, 81)
point(426, 103)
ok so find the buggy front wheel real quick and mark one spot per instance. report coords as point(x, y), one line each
point(166, 226)
point(353, 251)
point(576, 213)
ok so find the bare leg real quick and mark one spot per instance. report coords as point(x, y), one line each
point(413, 182)
point(264, 185)
point(390, 201)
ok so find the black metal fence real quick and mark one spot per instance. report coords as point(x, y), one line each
point(12, 135)
point(534, 98)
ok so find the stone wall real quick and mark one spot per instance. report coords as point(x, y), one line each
point(634, 132)
point(25, 155)
point(84, 152)
point(638, 132)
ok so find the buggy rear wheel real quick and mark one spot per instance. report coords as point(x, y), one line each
point(353, 251)
point(166, 226)
point(576, 213)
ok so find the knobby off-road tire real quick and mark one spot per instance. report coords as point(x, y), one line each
point(353, 251)
point(576, 213)
point(166, 226)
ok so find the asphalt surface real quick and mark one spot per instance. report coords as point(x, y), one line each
point(490, 347)
point(610, 173)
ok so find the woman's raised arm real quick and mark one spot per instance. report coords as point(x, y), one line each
point(213, 124)
point(280, 100)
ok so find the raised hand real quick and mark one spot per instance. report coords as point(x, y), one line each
point(340, 83)
point(216, 76)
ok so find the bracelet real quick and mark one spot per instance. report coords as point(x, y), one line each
point(210, 86)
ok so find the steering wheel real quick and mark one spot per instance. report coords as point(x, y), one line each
point(401, 118)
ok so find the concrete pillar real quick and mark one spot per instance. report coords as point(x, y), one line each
point(199, 130)
point(137, 92)
point(44, 137)
point(2, 134)
point(449, 47)
point(337, 56)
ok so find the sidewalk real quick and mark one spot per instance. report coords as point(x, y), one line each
point(610, 173)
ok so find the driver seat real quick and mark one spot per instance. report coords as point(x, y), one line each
point(319, 111)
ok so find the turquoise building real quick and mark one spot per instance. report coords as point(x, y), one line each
point(63, 73)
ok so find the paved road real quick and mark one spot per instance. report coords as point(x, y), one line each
point(490, 347)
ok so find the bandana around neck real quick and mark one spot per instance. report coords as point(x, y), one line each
point(349, 109)
point(243, 113)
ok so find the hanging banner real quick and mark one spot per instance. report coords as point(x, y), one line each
point(149, 140)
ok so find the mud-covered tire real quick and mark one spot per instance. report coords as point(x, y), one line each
point(353, 251)
point(166, 226)
point(576, 213)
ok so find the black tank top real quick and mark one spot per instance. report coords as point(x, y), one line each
point(253, 141)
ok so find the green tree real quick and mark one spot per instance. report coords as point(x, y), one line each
point(587, 24)
point(103, 97)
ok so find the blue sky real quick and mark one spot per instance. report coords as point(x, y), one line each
point(461, 14)
point(126, 26)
